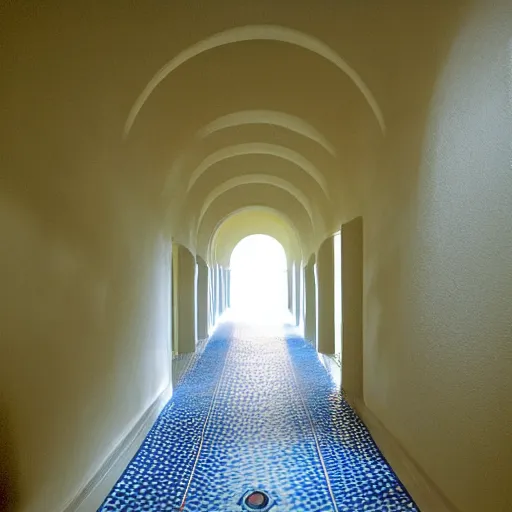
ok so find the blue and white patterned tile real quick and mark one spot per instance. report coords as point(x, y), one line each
point(257, 411)
point(359, 475)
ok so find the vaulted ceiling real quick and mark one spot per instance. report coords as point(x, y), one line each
point(263, 110)
point(259, 138)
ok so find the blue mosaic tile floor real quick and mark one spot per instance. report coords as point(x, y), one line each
point(258, 411)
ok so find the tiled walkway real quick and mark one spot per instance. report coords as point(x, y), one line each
point(257, 410)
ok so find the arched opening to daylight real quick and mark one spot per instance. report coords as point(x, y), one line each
point(259, 279)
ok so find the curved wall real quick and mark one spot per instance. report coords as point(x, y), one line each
point(86, 220)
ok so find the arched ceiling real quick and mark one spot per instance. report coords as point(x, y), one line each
point(250, 163)
point(250, 33)
point(267, 179)
point(261, 115)
point(264, 149)
point(197, 106)
point(269, 117)
point(251, 221)
point(256, 194)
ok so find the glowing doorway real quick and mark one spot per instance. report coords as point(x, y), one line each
point(259, 279)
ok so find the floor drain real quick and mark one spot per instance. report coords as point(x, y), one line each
point(256, 500)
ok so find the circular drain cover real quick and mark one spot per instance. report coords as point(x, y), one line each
point(256, 500)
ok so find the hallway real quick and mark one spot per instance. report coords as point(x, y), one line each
point(258, 411)
point(144, 144)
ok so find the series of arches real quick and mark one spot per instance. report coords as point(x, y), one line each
point(132, 124)
point(279, 151)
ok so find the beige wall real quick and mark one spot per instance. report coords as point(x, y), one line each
point(85, 270)
point(84, 338)
point(438, 273)
point(84, 297)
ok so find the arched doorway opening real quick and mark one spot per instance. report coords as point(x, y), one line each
point(259, 279)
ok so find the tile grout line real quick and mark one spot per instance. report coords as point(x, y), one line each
point(315, 436)
point(203, 431)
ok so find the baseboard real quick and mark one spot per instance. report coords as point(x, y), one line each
point(424, 492)
point(91, 496)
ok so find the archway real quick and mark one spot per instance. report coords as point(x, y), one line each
point(259, 279)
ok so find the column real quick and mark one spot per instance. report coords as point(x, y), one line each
point(210, 298)
point(302, 303)
point(228, 287)
point(215, 293)
point(352, 307)
point(221, 290)
point(225, 287)
point(310, 300)
point(185, 304)
point(202, 299)
point(174, 305)
point(325, 297)
point(296, 284)
point(290, 276)
point(213, 303)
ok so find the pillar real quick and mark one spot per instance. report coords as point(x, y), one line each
point(202, 299)
point(225, 287)
point(217, 294)
point(325, 297)
point(296, 284)
point(302, 303)
point(174, 302)
point(221, 290)
point(228, 287)
point(310, 300)
point(290, 276)
point(210, 299)
point(184, 273)
point(352, 307)
point(213, 295)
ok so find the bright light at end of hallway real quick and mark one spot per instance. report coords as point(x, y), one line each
point(259, 280)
